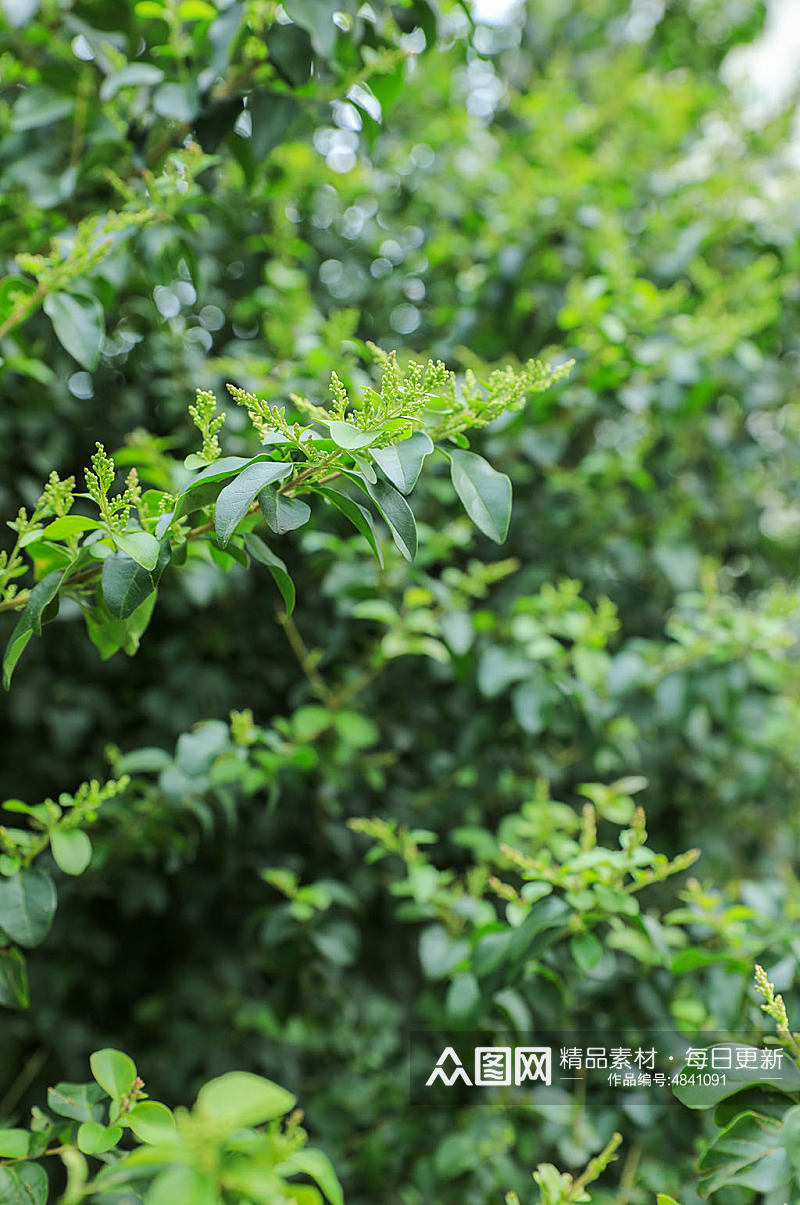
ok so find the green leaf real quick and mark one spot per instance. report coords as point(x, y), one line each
point(201, 490)
point(365, 466)
point(196, 10)
point(140, 546)
point(14, 1144)
point(13, 979)
point(277, 117)
point(241, 1099)
point(535, 933)
point(179, 102)
point(586, 950)
point(358, 515)
point(317, 1165)
point(485, 494)
point(25, 1184)
point(69, 525)
point(704, 1096)
point(109, 634)
point(439, 953)
point(236, 499)
point(27, 906)
point(17, 642)
point(749, 1152)
point(316, 17)
point(76, 1101)
point(151, 9)
point(132, 75)
point(94, 1138)
point(79, 324)
point(663, 1199)
point(790, 1136)
point(346, 436)
point(40, 106)
point(71, 849)
point(402, 462)
point(265, 556)
point(463, 996)
point(126, 584)
point(151, 1122)
point(42, 595)
point(283, 513)
point(184, 1185)
point(114, 1071)
point(396, 511)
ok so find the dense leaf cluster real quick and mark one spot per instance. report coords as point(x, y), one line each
point(407, 796)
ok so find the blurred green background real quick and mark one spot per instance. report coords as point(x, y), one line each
point(580, 180)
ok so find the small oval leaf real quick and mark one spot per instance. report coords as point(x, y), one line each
point(71, 849)
point(95, 1139)
point(243, 1099)
point(346, 436)
point(114, 1071)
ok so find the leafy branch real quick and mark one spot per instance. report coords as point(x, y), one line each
point(372, 443)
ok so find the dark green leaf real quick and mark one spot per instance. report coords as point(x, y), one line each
point(236, 499)
point(276, 117)
point(749, 1152)
point(534, 934)
point(16, 647)
point(265, 556)
point(126, 584)
point(79, 324)
point(109, 634)
point(358, 515)
point(402, 462)
point(193, 496)
point(485, 494)
point(13, 979)
point(42, 594)
point(27, 906)
point(283, 513)
point(704, 1096)
point(25, 1184)
point(586, 950)
point(396, 511)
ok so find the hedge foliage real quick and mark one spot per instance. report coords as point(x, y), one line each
point(294, 766)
